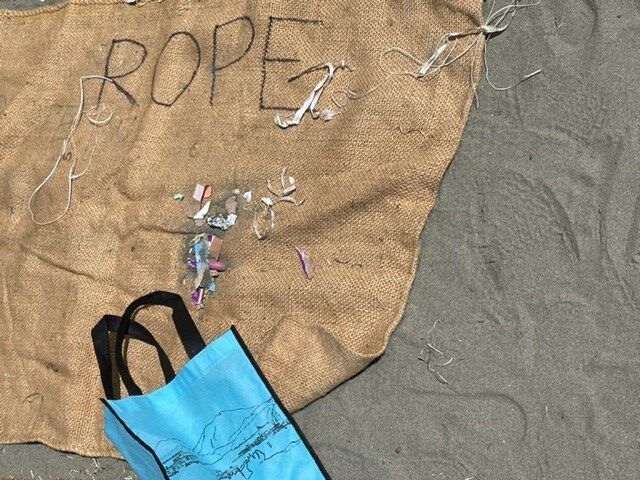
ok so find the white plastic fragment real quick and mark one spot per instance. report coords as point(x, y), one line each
point(288, 191)
point(263, 222)
point(200, 214)
point(327, 114)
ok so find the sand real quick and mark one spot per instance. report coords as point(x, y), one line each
point(530, 271)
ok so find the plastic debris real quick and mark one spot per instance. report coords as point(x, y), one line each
point(222, 222)
point(327, 114)
point(247, 196)
point(214, 264)
point(178, 197)
point(305, 263)
point(204, 255)
point(288, 191)
point(199, 277)
point(290, 199)
point(263, 221)
point(264, 218)
point(217, 265)
point(210, 213)
point(203, 258)
point(214, 248)
point(197, 296)
point(207, 279)
point(200, 214)
point(287, 188)
point(198, 193)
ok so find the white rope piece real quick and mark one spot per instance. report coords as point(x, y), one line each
point(68, 151)
point(496, 23)
point(445, 53)
point(312, 99)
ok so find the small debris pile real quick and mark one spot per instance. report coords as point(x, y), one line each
point(204, 252)
point(201, 212)
point(264, 218)
point(204, 259)
point(228, 219)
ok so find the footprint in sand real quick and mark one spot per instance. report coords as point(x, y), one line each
point(519, 220)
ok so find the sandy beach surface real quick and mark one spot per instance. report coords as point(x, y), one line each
point(528, 285)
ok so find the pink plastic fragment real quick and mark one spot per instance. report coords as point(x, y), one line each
point(207, 192)
point(217, 265)
point(198, 193)
point(305, 263)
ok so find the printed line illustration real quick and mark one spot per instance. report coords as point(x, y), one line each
point(260, 433)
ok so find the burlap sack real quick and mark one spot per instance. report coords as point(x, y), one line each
point(369, 178)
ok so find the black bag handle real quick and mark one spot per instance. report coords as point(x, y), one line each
point(188, 333)
point(100, 335)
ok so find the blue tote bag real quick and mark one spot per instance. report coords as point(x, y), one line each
point(216, 419)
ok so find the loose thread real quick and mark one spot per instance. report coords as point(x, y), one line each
point(429, 362)
point(412, 130)
point(446, 53)
point(472, 76)
point(68, 151)
point(431, 366)
point(497, 22)
point(140, 3)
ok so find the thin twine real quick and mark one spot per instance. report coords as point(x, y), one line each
point(69, 151)
point(496, 23)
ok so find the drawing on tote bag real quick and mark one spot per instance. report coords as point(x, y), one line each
point(235, 455)
point(216, 418)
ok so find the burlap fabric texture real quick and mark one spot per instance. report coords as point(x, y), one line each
point(198, 85)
